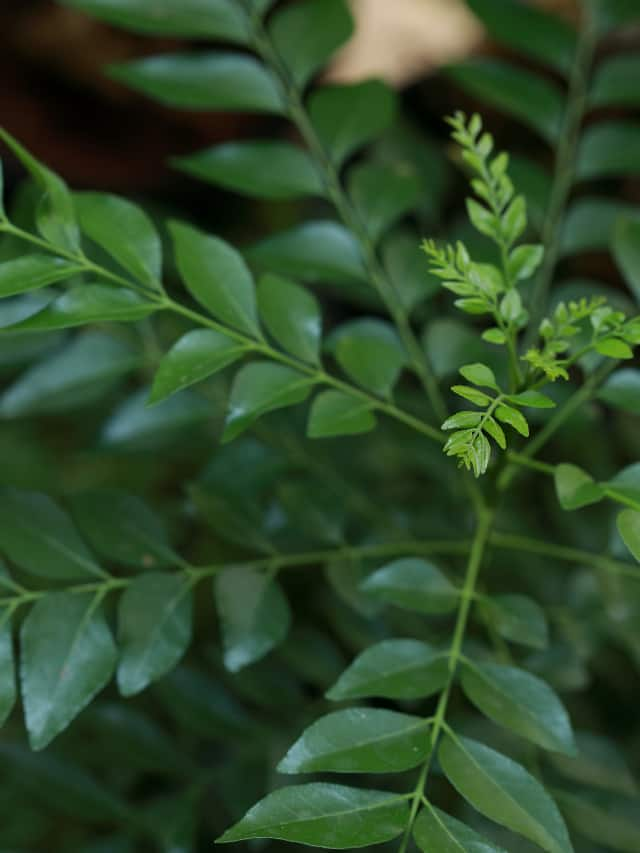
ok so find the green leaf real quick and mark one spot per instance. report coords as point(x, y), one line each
point(590, 224)
point(124, 231)
point(7, 667)
point(371, 353)
point(511, 416)
point(207, 19)
point(614, 348)
point(607, 819)
point(216, 276)
point(613, 83)
point(503, 791)
point(575, 488)
point(524, 261)
point(79, 373)
point(333, 816)
point(86, 304)
point(436, 831)
point(462, 420)
point(334, 413)
point(263, 169)
point(67, 656)
point(292, 316)
point(518, 619)
point(625, 484)
point(521, 702)
point(622, 390)
point(522, 94)
point(350, 116)
point(534, 182)
point(482, 219)
point(135, 426)
point(254, 615)
point(154, 628)
point(313, 251)
point(122, 528)
point(479, 398)
point(40, 538)
point(359, 740)
point(626, 250)
point(55, 216)
point(479, 374)
point(599, 763)
point(532, 400)
point(494, 336)
point(609, 149)
point(204, 81)
point(307, 33)
point(383, 193)
point(33, 272)
point(493, 428)
point(262, 387)
point(393, 669)
point(413, 584)
point(404, 261)
point(610, 14)
point(628, 523)
point(195, 356)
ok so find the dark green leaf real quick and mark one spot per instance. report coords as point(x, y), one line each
point(449, 343)
point(216, 276)
point(625, 485)
point(7, 667)
point(262, 387)
point(607, 819)
point(33, 272)
point(350, 116)
point(204, 81)
point(575, 488)
point(332, 816)
point(503, 791)
point(519, 619)
point(383, 193)
point(599, 762)
point(413, 584)
point(359, 740)
point(254, 615)
point(404, 262)
point(334, 413)
point(591, 222)
point(134, 425)
point(614, 82)
point(534, 182)
point(522, 94)
point(434, 831)
point(124, 231)
point(626, 249)
point(393, 669)
point(521, 702)
point(324, 251)
point(195, 356)
point(609, 149)
point(306, 33)
point(67, 656)
point(210, 19)
point(511, 416)
point(629, 529)
point(154, 628)
point(610, 14)
point(292, 315)
point(622, 390)
point(266, 169)
point(371, 353)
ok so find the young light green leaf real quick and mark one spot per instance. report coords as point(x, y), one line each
point(462, 420)
point(518, 619)
point(607, 819)
point(33, 272)
point(197, 355)
point(622, 390)
point(532, 400)
point(575, 488)
point(479, 374)
point(292, 315)
point(216, 276)
point(254, 615)
point(511, 416)
point(262, 387)
point(67, 656)
point(334, 413)
point(514, 220)
point(332, 816)
point(493, 428)
point(521, 702)
point(413, 584)
point(504, 791)
point(393, 669)
point(383, 193)
point(626, 250)
point(154, 629)
point(124, 231)
point(371, 353)
point(628, 523)
point(482, 219)
point(359, 740)
point(524, 261)
point(307, 33)
point(204, 81)
point(472, 394)
point(435, 830)
point(494, 336)
point(263, 168)
point(7, 667)
point(614, 348)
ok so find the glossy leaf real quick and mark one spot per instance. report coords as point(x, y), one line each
point(404, 263)
point(263, 168)
point(254, 615)
point(383, 194)
point(333, 816)
point(204, 81)
point(371, 353)
point(607, 819)
point(262, 387)
point(629, 529)
point(67, 656)
point(505, 792)
point(590, 224)
point(511, 416)
point(359, 740)
point(124, 231)
point(292, 316)
point(609, 149)
point(614, 80)
point(626, 249)
point(413, 584)
point(348, 117)
point(479, 374)
point(622, 390)
point(575, 488)
point(393, 669)
point(625, 485)
point(307, 33)
point(197, 355)
point(519, 619)
point(532, 400)
point(134, 425)
point(32, 272)
point(519, 701)
point(7, 667)
point(435, 830)
point(334, 413)
point(216, 276)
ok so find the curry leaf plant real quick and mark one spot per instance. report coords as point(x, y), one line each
point(232, 549)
